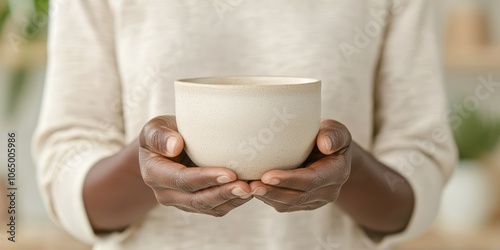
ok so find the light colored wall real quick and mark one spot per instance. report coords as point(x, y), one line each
point(462, 83)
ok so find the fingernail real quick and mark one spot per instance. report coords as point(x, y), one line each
point(328, 143)
point(272, 181)
point(223, 179)
point(244, 197)
point(260, 191)
point(172, 140)
point(239, 192)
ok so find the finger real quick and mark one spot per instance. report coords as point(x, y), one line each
point(333, 137)
point(284, 208)
point(158, 171)
point(332, 170)
point(160, 136)
point(206, 199)
point(220, 210)
point(294, 197)
point(227, 207)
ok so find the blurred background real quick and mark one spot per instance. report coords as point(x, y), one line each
point(470, 212)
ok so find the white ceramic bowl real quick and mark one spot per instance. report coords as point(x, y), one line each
point(250, 124)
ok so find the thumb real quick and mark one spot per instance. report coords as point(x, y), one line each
point(160, 136)
point(332, 137)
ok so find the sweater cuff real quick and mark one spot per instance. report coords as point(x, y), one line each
point(68, 198)
point(427, 183)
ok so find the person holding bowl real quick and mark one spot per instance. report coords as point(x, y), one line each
point(115, 171)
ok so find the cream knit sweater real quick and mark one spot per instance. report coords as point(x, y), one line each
point(112, 64)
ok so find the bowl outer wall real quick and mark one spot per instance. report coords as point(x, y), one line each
point(249, 129)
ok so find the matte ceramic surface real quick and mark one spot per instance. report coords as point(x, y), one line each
point(250, 124)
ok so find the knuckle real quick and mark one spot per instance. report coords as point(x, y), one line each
point(162, 199)
point(154, 136)
point(146, 130)
point(144, 157)
point(148, 178)
point(316, 182)
point(203, 177)
point(275, 194)
point(301, 199)
point(181, 183)
point(225, 194)
point(345, 175)
point(234, 203)
point(342, 171)
point(319, 180)
point(313, 179)
point(346, 134)
point(328, 173)
point(147, 167)
point(147, 175)
point(218, 212)
point(151, 124)
point(158, 140)
point(199, 204)
point(282, 208)
point(341, 138)
point(336, 136)
point(312, 185)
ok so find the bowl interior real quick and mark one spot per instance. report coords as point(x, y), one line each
point(250, 80)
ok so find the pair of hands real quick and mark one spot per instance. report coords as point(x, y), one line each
point(216, 191)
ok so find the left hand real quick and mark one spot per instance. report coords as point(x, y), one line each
point(318, 181)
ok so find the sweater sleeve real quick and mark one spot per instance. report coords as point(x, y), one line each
point(412, 135)
point(81, 116)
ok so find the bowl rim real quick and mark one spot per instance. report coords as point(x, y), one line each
point(299, 81)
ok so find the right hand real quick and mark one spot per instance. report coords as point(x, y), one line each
point(207, 190)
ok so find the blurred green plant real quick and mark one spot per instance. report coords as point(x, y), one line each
point(477, 136)
point(17, 79)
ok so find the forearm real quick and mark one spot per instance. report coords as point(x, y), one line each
point(376, 197)
point(115, 194)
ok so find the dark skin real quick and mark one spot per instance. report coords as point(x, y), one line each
point(121, 189)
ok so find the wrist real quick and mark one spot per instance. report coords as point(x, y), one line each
point(368, 198)
point(357, 163)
